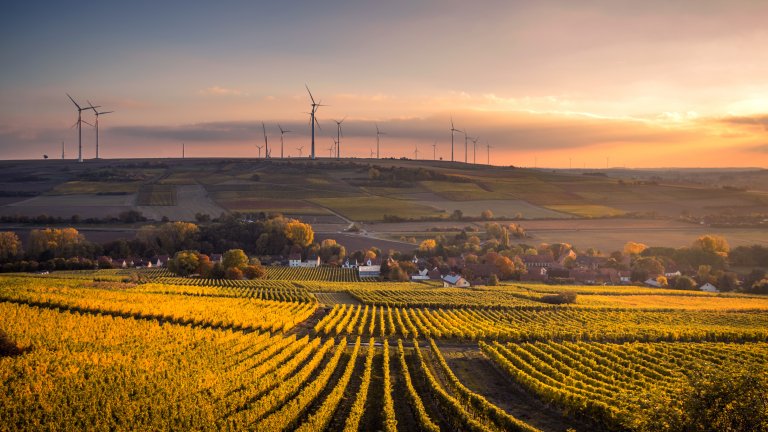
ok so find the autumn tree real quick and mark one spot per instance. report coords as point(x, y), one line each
point(486, 215)
point(10, 246)
point(632, 248)
point(184, 263)
point(712, 243)
point(299, 233)
point(56, 242)
point(332, 252)
point(428, 246)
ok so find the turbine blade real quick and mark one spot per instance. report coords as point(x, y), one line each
point(104, 112)
point(73, 101)
point(310, 94)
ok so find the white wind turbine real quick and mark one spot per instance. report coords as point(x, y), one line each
point(97, 125)
point(282, 132)
point(378, 133)
point(312, 119)
point(79, 125)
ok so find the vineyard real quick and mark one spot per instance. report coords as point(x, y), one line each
point(83, 351)
point(329, 274)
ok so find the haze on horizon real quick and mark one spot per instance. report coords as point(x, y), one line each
point(635, 84)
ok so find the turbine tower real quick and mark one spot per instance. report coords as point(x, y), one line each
point(266, 142)
point(378, 133)
point(474, 154)
point(62, 150)
point(97, 125)
point(453, 129)
point(331, 148)
point(488, 148)
point(300, 149)
point(371, 153)
point(312, 119)
point(80, 127)
point(466, 138)
point(282, 132)
point(338, 137)
point(434, 151)
point(259, 147)
point(416, 152)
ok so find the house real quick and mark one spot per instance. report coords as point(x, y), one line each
point(216, 258)
point(311, 262)
point(371, 268)
point(625, 276)
point(162, 260)
point(535, 274)
point(435, 274)
point(652, 282)
point(455, 281)
point(672, 274)
point(294, 260)
point(531, 261)
point(708, 287)
point(420, 275)
point(350, 264)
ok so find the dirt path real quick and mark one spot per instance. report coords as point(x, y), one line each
point(480, 374)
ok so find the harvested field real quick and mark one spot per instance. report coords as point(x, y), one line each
point(500, 208)
point(156, 195)
point(191, 199)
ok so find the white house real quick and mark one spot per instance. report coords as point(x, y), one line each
point(653, 283)
point(370, 269)
point(294, 260)
point(311, 262)
point(420, 275)
point(708, 287)
point(455, 281)
point(349, 264)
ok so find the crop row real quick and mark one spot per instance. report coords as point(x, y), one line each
point(544, 324)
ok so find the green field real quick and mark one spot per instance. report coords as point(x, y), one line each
point(373, 208)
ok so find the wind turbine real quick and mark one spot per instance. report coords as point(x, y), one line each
point(313, 119)
point(474, 155)
point(371, 153)
point(282, 132)
point(416, 152)
point(331, 148)
point(434, 151)
point(259, 147)
point(453, 129)
point(488, 148)
point(80, 126)
point(300, 149)
point(62, 150)
point(378, 133)
point(266, 142)
point(338, 137)
point(97, 124)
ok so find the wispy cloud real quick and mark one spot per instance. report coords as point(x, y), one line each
point(222, 91)
point(757, 120)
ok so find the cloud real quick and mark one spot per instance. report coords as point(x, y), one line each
point(222, 91)
point(757, 120)
point(761, 148)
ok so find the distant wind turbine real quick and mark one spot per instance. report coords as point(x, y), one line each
point(378, 133)
point(338, 137)
point(97, 125)
point(300, 149)
point(331, 148)
point(79, 125)
point(371, 153)
point(62, 150)
point(259, 147)
point(466, 139)
point(282, 132)
point(434, 151)
point(453, 129)
point(474, 143)
point(266, 142)
point(312, 119)
point(488, 148)
point(416, 152)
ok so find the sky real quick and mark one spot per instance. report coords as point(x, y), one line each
point(551, 83)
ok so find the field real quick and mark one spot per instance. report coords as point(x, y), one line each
point(374, 208)
point(311, 350)
point(156, 195)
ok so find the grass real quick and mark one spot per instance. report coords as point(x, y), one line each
point(462, 191)
point(373, 208)
point(586, 210)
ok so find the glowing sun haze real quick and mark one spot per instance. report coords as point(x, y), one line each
point(636, 84)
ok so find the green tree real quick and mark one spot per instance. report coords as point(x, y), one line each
point(234, 258)
point(685, 283)
point(184, 262)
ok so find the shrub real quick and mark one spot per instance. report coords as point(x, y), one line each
point(560, 298)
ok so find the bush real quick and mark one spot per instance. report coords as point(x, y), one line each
point(254, 272)
point(493, 280)
point(234, 273)
point(560, 298)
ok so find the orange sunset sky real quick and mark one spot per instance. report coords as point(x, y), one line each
point(547, 83)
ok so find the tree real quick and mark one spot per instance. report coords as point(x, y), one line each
point(299, 233)
point(712, 243)
point(428, 246)
point(632, 248)
point(184, 262)
point(64, 242)
point(254, 271)
point(234, 258)
point(10, 246)
point(234, 273)
point(493, 280)
point(644, 267)
point(486, 215)
point(685, 283)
